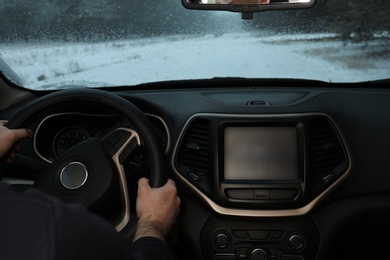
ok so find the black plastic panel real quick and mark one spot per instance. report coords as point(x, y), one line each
point(322, 159)
point(278, 239)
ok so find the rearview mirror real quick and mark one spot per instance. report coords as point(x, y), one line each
point(247, 7)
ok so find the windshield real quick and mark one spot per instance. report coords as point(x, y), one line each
point(62, 43)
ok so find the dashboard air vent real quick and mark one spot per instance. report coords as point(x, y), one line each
point(194, 152)
point(327, 151)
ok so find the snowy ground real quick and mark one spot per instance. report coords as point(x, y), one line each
point(131, 62)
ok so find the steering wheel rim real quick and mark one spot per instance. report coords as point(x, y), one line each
point(57, 101)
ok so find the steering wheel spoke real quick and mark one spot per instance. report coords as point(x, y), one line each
point(120, 144)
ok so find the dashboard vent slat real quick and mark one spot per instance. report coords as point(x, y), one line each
point(195, 147)
point(327, 150)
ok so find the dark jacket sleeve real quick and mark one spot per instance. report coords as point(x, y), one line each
point(34, 225)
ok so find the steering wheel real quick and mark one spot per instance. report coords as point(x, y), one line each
point(92, 172)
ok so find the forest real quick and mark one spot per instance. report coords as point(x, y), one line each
point(86, 20)
point(351, 20)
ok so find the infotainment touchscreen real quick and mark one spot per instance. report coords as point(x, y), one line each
point(260, 153)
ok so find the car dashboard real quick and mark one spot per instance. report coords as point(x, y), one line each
point(263, 172)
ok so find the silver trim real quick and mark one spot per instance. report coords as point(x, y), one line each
point(11, 182)
point(64, 175)
point(261, 213)
point(169, 141)
point(125, 214)
point(125, 218)
point(55, 115)
point(166, 130)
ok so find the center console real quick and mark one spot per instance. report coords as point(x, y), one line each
point(260, 240)
point(266, 169)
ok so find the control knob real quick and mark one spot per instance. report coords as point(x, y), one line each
point(221, 240)
point(258, 253)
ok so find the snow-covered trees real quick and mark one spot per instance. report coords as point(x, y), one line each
point(95, 20)
point(352, 20)
point(361, 20)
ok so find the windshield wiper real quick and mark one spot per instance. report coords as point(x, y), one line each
point(379, 81)
point(74, 84)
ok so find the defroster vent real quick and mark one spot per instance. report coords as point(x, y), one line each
point(194, 152)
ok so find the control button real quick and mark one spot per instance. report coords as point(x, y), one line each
point(194, 177)
point(283, 194)
point(259, 254)
point(221, 240)
point(274, 252)
point(115, 140)
point(128, 151)
point(239, 233)
point(241, 253)
point(295, 242)
point(225, 257)
point(240, 194)
point(276, 234)
point(262, 194)
point(258, 234)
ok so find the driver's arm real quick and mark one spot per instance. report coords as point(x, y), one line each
point(35, 224)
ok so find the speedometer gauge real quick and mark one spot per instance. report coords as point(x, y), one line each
point(67, 138)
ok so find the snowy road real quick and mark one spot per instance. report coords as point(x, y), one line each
point(131, 62)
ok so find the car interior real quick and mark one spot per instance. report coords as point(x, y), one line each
point(266, 168)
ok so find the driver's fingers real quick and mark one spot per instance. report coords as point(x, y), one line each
point(171, 182)
point(22, 133)
point(143, 182)
point(3, 122)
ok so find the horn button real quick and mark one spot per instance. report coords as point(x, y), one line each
point(85, 174)
point(74, 175)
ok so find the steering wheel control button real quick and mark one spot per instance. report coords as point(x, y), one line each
point(259, 254)
point(74, 176)
point(115, 140)
point(295, 242)
point(128, 151)
point(221, 240)
point(258, 234)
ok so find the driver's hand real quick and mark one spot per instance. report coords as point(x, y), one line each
point(157, 209)
point(9, 139)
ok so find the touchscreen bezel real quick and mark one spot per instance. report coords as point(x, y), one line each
point(300, 154)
